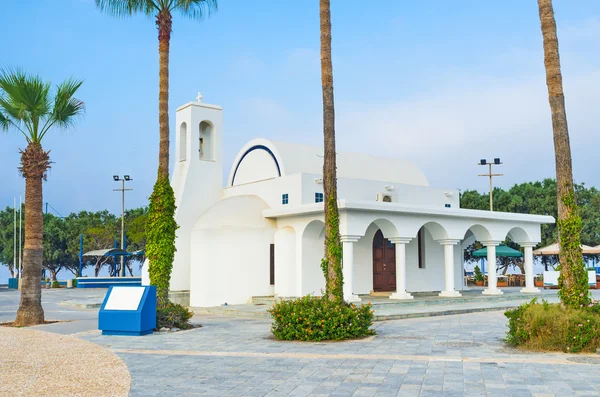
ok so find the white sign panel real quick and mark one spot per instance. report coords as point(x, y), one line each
point(551, 278)
point(124, 298)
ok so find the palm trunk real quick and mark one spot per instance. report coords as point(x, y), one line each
point(164, 23)
point(333, 245)
point(35, 163)
point(573, 278)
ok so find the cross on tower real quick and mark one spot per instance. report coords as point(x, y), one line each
point(199, 97)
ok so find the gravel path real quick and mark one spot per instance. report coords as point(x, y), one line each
point(36, 363)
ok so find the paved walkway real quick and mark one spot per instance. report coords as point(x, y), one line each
point(436, 356)
point(35, 363)
point(457, 355)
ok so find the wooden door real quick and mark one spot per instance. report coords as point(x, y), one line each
point(384, 263)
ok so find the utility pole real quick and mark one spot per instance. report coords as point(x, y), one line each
point(15, 236)
point(20, 270)
point(489, 163)
point(126, 178)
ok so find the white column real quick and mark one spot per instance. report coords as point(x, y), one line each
point(449, 290)
point(492, 288)
point(400, 268)
point(528, 258)
point(348, 267)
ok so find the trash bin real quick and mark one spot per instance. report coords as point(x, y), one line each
point(69, 283)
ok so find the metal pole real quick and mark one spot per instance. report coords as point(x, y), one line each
point(20, 271)
point(123, 228)
point(15, 236)
point(80, 255)
point(491, 190)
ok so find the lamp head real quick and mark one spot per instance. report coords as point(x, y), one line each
point(482, 162)
point(128, 178)
point(497, 161)
point(116, 178)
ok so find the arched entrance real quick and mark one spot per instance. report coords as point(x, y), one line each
point(384, 264)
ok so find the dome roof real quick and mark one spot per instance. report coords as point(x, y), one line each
point(262, 159)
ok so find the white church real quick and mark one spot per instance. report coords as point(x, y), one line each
point(262, 234)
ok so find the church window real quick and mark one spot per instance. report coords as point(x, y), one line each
point(284, 198)
point(448, 205)
point(206, 142)
point(318, 197)
point(182, 142)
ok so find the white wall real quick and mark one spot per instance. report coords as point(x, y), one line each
point(271, 190)
point(285, 262)
point(313, 251)
point(363, 262)
point(230, 253)
point(198, 183)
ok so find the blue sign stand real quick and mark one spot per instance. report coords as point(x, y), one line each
point(120, 315)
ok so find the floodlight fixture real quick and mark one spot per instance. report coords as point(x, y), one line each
point(116, 178)
point(127, 178)
point(490, 175)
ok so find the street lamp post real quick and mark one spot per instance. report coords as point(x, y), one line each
point(490, 163)
point(126, 178)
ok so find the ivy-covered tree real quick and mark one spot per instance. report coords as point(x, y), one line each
point(332, 263)
point(573, 280)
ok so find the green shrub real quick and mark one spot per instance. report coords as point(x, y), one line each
point(74, 282)
point(55, 284)
point(173, 315)
point(554, 327)
point(478, 273)
point(313, 318)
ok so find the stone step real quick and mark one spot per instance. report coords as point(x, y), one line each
point(263, 300)
point(422, 301)
point(381, 313)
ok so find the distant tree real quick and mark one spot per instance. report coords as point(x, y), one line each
point(7, 239)
point(56, 255)
point(27, 105)
point(136, 220)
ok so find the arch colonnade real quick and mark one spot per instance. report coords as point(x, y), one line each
point(411, 233)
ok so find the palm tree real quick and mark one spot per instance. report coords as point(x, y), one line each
point(28, 105)
point(161, 225)
point(573, 277)
point(332, 264)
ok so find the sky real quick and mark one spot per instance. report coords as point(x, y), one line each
point(441, 83)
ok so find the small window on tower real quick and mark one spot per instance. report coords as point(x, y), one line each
point(284, 199)
point(448, 205)
point(318, 197)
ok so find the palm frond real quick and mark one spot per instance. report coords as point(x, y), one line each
point(195, 9)
point(66, 106)
point(126, 8)
point(4, 123)
point(25, 100)
point(25, 104)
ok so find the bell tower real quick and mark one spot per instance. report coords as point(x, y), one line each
point(197, 176)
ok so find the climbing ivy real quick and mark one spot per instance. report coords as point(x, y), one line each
point(573, 279)
point(160, 235)
point(334, 282)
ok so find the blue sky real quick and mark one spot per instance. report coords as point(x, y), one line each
point(440, 83)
